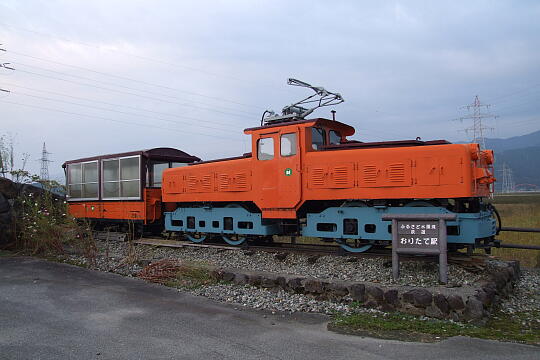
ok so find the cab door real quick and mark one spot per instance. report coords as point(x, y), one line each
point(265, 167)
point(277, 172)
point(289, 169)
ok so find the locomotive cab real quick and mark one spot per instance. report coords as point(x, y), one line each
point(279, 152)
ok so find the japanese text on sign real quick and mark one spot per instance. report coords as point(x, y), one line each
point(418, 234)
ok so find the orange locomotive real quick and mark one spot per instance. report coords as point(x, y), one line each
point(304, 177)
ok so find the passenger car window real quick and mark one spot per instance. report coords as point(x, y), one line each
point(265, 148)
point(335, 137)
point(83, 180)
point(121, 178)
point(288, 144)
point(317, 138)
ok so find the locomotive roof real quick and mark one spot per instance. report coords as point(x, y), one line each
point(345, 129)
point(161, 153)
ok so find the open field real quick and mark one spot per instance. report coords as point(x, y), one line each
point(519, 210)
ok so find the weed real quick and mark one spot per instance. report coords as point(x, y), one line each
point(43, 227)
point(521, 210)
point(412, 328)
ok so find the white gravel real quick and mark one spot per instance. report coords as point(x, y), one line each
point(113, 256)
point(377, 270)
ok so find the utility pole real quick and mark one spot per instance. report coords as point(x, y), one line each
point(44, 175)
point(508, 183)
point(476, 114)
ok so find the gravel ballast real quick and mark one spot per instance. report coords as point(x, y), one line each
point(112, 256)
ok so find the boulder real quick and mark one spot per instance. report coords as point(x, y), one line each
point(441, 303)
point(358, 292)
point(418, 297)
point(474, 310)
point(313, 286)
point(240, 279)
point(375, 292)
point(391, 297)
point(455, 302)
point(336, 290)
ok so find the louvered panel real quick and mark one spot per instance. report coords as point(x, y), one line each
point(370, 174)
point(223, 182)
point(191, 183)
point(342, 176)
point(316, 177)
point(241, 181)
point(206, 183)
point(396, 173)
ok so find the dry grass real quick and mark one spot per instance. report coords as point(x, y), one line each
point(519, 210)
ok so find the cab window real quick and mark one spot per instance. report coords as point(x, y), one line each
point(334, 137)
point(317, 138)
point(288, 144)
point(265, 148)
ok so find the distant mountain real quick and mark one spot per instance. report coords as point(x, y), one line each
point(515, 142)
point(524, 163)
point(521, 154)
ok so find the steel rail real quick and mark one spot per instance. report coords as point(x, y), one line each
point(520, 229)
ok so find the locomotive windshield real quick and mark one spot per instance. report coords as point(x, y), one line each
point(334, 137)
point(317, 138)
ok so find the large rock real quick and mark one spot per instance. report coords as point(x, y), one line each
point(336, 290)
point(313, 286)
point(441, 303)
point(418, 297)
point(391, 297)
point(474, 309)
point(375, 292)
point(358, 292)
point(295, 284)
point(455, 302)
point(240, 279)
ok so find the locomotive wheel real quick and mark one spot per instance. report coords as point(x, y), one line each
point(196, 237)
point(233, 239)
point(354, 245)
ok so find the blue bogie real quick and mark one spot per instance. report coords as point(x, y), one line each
point(355, 229)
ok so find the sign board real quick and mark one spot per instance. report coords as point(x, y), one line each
point(423, 234)
point(418, 234)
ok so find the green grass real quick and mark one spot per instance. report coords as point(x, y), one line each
point(519, 210)
point(191, 277)
point(411, 328)
point(6, 253)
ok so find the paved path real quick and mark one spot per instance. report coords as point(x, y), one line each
point(57, 311)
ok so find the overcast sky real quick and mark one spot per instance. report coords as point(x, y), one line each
point(97, 77)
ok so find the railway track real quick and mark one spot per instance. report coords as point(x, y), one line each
point(472, 263)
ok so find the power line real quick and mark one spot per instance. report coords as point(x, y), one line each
point(496, 99)
point(115, 120)
point(131, 88)
point(132, 93)
point(138, 81)
point(116, 111)
point(119, 105)
point(131, 55)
